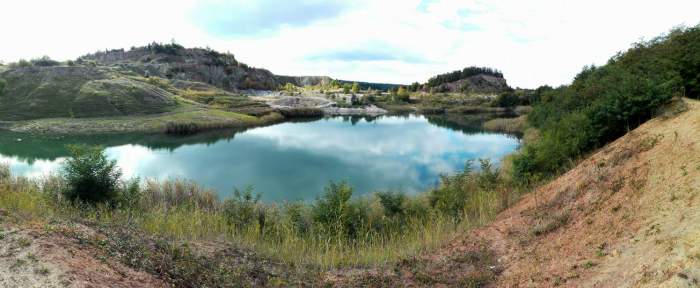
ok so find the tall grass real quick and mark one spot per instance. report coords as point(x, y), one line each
point(336, 230)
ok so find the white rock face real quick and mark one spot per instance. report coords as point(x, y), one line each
point(368, 110)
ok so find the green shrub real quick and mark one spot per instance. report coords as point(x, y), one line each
point(392, 202)
point(488, 177)
point(336, 214)
point(23, 63)
point(182, 129)
point(45, 61)
point(3, 84)
point(242, 209)
point(131, 195)
point(90, 176)
point(450, 197)
point(297, 217)
point(507, 99)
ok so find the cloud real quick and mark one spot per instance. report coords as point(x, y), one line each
point(231, 18)
point(368, 54)
point(533, 42)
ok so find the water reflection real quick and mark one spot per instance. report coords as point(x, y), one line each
point(289, 161)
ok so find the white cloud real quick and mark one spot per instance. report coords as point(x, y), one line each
point(532, 42)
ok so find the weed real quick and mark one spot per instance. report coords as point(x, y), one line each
point(42, 271)
point(589, 264)
point(600, 251)
point(549, 223)
point(24, 242)
point(650, 142)
point(32, 257)
point(616, 208)
point(18, 263)
point(618, 184)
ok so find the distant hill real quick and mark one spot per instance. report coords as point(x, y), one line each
point(374, 86)
point(470, 79)
point(175, 62)
point(142, 80)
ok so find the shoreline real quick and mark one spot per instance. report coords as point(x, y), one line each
point(204, 120)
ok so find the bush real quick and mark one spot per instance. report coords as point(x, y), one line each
point(3, 84)
point(392, 202)
point(24, 63)
point(90, 176)
point(242, 209)
point(45, 61)
point(450, 197)
point(182, 129)
point(336, 214)
point(507, 99)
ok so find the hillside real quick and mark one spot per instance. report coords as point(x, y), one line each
point(77, 91)
point(467, 80)
point(147, 81)
point(175, 62)
point(624, 217)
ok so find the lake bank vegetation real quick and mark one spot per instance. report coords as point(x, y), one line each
point(603, 103)
point(336, 230)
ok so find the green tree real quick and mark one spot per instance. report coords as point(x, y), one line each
point(346, 88)
point(507, 99)
point(355, 87)
point(402, 94)
point(90, 176)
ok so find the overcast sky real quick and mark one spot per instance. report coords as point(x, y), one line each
point(533, 42)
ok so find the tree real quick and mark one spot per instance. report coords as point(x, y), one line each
point(392, 91)
point(346, 88)
point(45, 61)
point(507, 99)
point(402, 94)
point(355, 87)
point(462, 74)
point(90, 176)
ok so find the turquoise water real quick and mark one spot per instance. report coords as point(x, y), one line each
point(285, 162)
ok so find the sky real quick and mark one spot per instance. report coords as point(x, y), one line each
point(533, 42)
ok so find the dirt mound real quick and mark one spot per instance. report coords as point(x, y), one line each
point(33, 257)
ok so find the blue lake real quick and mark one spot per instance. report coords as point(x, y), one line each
point(285, 162)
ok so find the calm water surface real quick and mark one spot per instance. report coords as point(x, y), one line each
point(289, 161)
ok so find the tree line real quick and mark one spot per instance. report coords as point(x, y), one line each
point(605, 102)
point(461, 74)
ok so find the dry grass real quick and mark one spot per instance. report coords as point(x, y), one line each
point(507, 125)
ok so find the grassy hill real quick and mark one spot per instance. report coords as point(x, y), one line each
point(77, 91)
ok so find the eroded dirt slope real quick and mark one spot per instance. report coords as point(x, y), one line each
point(627, 216)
